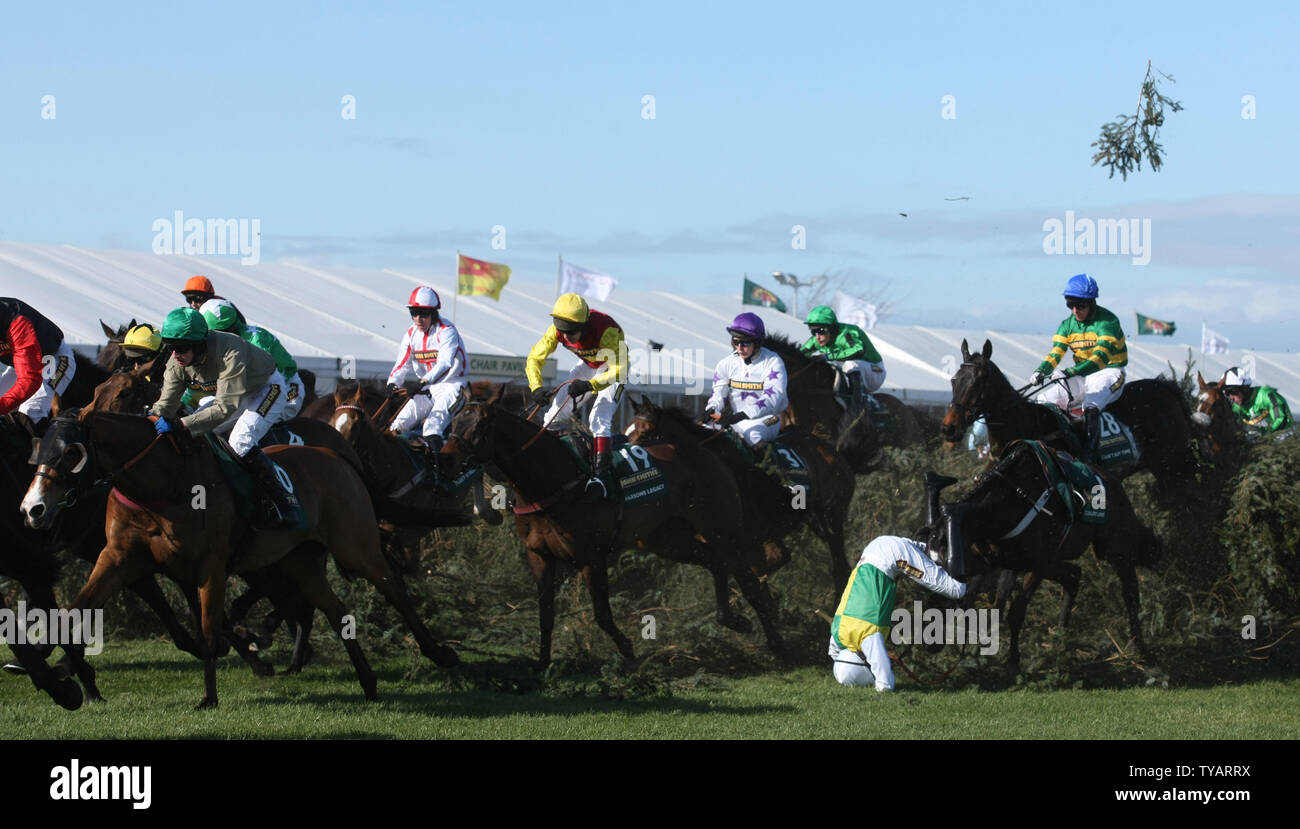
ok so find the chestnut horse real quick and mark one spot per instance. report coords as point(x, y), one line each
point(694, 520)
point(170, 509)
point(1218, 425)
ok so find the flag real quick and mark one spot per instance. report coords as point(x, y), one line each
point(755, 294)
point(476, 277)
point(854, 311)
point(1212, 343)
point(1148, 325)
point(575, 280)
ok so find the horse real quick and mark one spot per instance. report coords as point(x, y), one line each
point(56, 682)
point(1154, 410)
point(154, 520)
point(683, 517)
point(810, 386)
point(1017, 519)
point(135, 390)
point(1218, 426)
point(770, 510)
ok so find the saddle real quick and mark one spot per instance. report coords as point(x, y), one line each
point(252, 502)
point(1078, 485)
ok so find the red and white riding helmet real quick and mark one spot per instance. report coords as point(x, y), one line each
point(424, 297)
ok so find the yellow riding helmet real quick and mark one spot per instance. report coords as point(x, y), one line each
point(571, 307)
point(141, 340)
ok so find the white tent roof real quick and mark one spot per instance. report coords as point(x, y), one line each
point(323, 315)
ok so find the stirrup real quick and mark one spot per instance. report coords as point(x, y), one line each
point(589, 490)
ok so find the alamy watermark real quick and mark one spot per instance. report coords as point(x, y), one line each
point(209, 237)
point(972, 626)
point(38, 626)
point(1099, 237)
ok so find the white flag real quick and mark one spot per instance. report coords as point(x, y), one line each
point(575, 280)
point(1212, 343)
point(854, 311)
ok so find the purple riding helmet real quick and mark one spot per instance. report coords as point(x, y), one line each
point(748, 325)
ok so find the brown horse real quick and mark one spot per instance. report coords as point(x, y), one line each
point(1218, 427)
point(683, 517)
point(814, 405)
point(1154, 410)
point(167, 499)
point(771, 510)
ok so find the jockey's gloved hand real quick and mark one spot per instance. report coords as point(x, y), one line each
point(393, 390)
point(541, 396)
point(1037, 378)
point(817, 355)
point(165, 425)
point(577, 388)
point(732, 418)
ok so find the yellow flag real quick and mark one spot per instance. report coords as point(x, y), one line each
point(475, 277)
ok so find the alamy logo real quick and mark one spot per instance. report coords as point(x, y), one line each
point(1083, 237)
point(210, 237)
point(77, 782)
point(37, 625)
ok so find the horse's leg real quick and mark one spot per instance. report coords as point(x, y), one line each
point(544, 575)
point(148, 590)
point(390, 583)
point(482, 508)
point(53, 681)
point(308, 570)
point(1070, 577)
point(597, 578)
point(301, 642)
point(707, 556)
point(212, 601)
point(760, 598)
point(1017, 617)
point(1129, 590)
point(42, 595)
point(113, 569)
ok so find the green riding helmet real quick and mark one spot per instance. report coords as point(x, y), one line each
point(184, 324)
point(821, 315)
point(220, 315)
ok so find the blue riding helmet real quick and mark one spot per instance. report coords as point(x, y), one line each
point(1081, 286)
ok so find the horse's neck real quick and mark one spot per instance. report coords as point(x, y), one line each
point(542, 468)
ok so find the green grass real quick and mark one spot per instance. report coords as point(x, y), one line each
point(152, 690)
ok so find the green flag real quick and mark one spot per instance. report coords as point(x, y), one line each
point(755, 294)
point(1147, 325)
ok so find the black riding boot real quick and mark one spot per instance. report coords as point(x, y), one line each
point(598, 485)
point(283, 514)
point(432, 446)
point(1092, 435)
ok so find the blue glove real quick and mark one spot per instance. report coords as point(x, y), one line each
point(161, 426)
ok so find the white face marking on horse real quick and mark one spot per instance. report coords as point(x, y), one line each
point(35, 496)
point(341, 421)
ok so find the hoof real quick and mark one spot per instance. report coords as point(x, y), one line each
point(737, 623)
point(492, 517)
point(445, 657)
point(14, 668)
point(261, 668)
point(206, 704)
point(67, 693)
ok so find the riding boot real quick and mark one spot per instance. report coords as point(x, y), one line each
point(598, 485)
point(282, 514)
point(433, 446)
point(1092, 435)
point(858, 398)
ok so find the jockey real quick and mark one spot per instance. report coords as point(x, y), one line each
point(432, 349)
point(38, 362)
point(244, 385)
point(750, 382)
point(221, 315)
point(198, 290)
point(1259, 407)
point(597, 340)
point(141, 344)
point(1100, 355)
point(849, 345)
point(866, 608)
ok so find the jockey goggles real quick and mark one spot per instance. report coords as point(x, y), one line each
point(819, 329)
point(1077, 303)
point(742, 341)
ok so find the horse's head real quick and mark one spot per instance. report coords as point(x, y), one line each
point(63, 469)
point(131, 391)
point(1213, 415)
point(349, 416)
point(971, 389)
point(110, 356)
point(645, 422)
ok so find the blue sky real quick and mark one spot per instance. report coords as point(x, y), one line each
point(766, 116)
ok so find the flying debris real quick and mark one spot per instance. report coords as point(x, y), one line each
point(904, 215)
point(959, 198)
